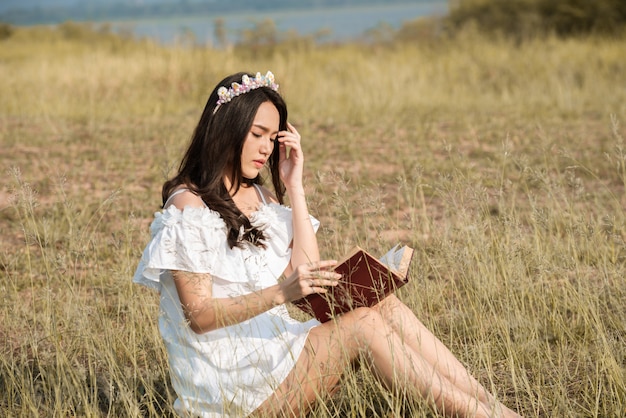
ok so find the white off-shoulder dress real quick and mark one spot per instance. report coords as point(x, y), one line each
point(230, 371)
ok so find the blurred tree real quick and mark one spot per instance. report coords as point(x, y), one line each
point(526, 18)
point(381, 33)
point(262, 33)
point(219, 32)
point(186, 37)
point(421, 29)
point(6, 31)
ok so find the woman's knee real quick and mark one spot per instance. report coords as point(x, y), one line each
point(363, 319)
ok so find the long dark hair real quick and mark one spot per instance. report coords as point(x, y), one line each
point(216, 146)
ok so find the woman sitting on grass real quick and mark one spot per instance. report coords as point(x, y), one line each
point(217, 252)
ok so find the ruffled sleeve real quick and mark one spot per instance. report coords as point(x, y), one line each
point(276, 221)
point(191, 240)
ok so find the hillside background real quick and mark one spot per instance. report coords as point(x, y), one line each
point(29, 12)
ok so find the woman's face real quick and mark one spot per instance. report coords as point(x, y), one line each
point(260, 140)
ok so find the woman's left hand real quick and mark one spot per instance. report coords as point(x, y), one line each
point(291, 165)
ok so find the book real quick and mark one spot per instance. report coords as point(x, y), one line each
point(365, 281)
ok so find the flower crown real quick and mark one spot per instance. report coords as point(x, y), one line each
point(247, 84)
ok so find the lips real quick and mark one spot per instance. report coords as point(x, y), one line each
point(259, 163)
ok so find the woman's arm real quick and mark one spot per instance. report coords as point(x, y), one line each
point(304, 248)
point(206, 313)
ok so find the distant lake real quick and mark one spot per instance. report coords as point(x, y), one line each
point(343, 23)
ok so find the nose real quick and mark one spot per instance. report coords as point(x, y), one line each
point(266, 146)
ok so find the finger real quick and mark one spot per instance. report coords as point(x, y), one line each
point(317, 285)
point(289, 139)
point(325, 282)
point(327, 278)
point(320, 286)
point(291, 145)
point(321, 265)
point(292, 128)
point(294, 149)
point(327, 264)
point(282, 152)
point(323, 273)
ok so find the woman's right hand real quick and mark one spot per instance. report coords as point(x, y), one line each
point(309, 278)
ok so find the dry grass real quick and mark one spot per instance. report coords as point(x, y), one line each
point(503, 165)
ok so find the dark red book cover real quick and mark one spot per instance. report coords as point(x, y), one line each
point(365, 281)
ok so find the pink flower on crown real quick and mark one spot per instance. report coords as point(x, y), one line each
point(225, 95)
point(222, 93)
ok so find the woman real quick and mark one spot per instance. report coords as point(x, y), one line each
point(217, 251)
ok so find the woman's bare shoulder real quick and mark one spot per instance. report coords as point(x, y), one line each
point(182, 197)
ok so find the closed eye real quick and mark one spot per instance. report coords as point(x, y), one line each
point(259, 136)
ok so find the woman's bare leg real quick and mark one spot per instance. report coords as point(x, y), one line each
point(423, 341)
point(315, 375)
point(333, 345)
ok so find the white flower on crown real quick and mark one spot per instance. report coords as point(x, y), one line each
point(225, 95)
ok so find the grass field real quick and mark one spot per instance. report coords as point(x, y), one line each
point(503, 164)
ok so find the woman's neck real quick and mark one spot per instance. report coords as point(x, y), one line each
point(245, 195)
point(247, 199)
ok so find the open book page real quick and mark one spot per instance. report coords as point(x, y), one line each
point(398, 259)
